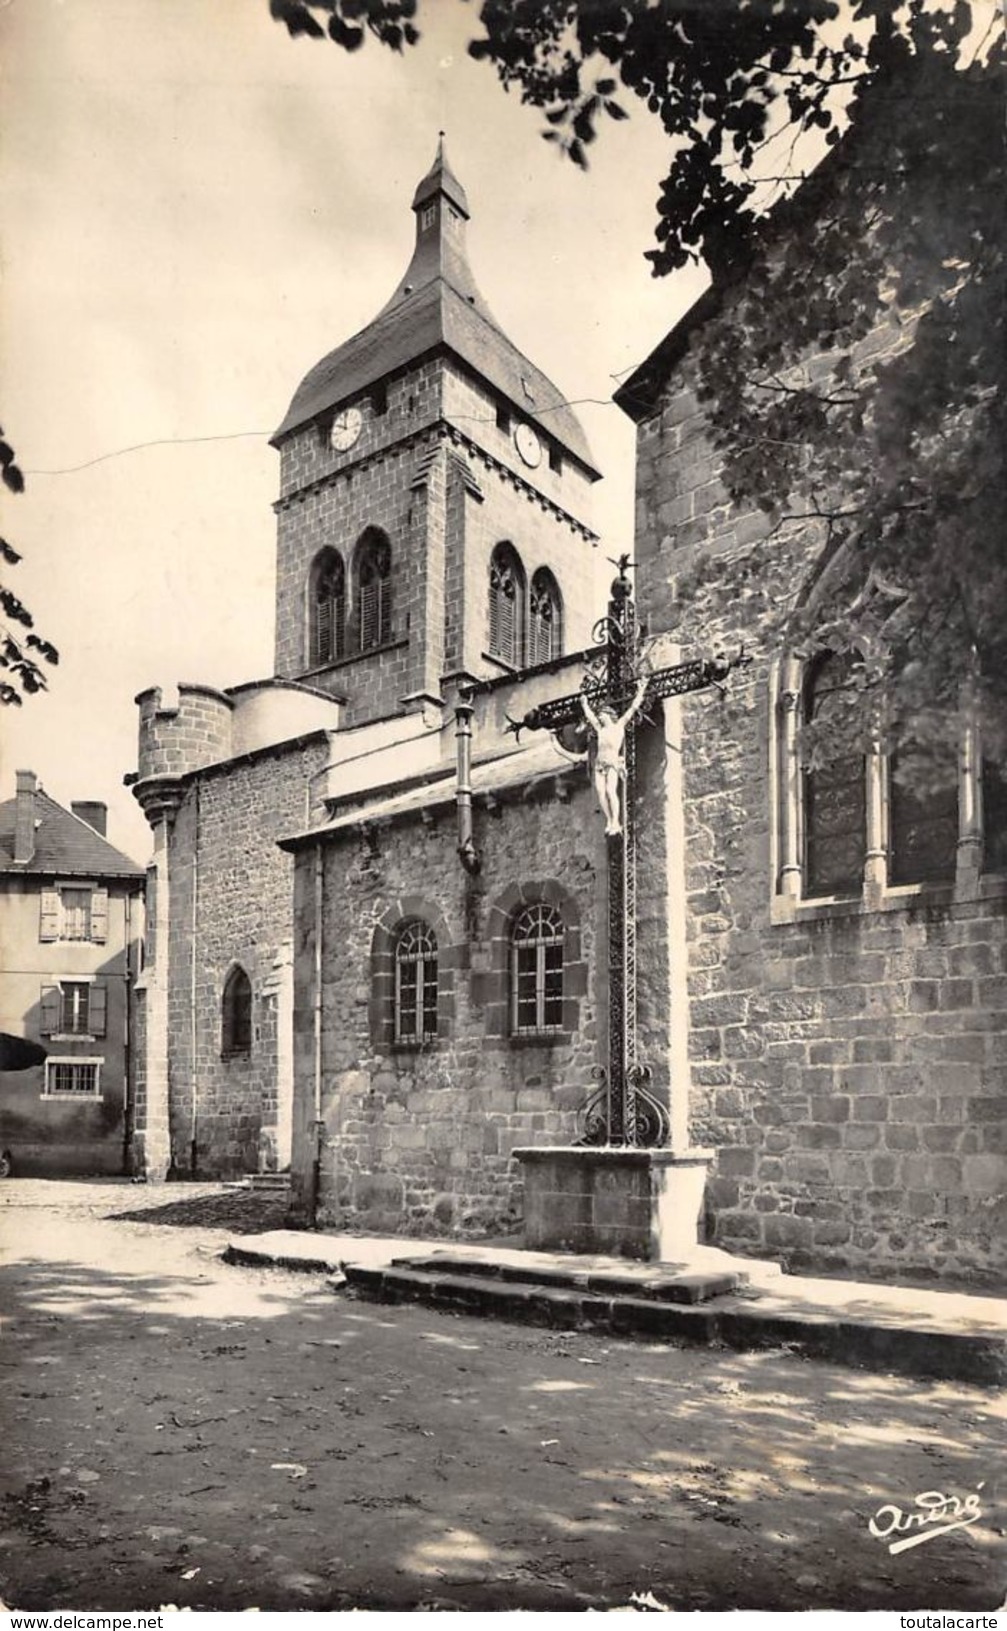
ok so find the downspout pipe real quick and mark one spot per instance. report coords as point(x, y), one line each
point(318, 1125)
point(127, 1036)
point(193, 993)
point(467, 851)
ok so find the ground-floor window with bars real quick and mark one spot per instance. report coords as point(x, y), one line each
point(72, 1078)
point(537, 971)
point(415, 983)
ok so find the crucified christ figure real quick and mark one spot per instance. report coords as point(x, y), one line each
point(609, 765)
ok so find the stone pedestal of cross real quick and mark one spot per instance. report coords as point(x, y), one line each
point(616, 693)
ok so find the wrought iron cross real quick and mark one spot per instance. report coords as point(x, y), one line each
point(622, 1110)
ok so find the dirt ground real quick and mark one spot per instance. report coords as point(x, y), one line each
point(180, 1431)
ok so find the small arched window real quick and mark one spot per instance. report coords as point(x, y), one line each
point(545, 618)
point(416, 988)
point(537, 971)
point(327, 608)
point(506, 608)
point(374, 590)
point(236, 1014)
point(835, 793)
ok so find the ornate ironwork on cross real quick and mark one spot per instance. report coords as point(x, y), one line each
point(617, 690)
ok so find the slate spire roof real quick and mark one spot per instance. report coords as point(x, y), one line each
point(438, 306)
point(64, 845)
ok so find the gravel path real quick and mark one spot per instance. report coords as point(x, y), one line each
point(180, 1431)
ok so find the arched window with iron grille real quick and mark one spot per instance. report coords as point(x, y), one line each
point(506, 606)
point(416, 985)
point(537, 940)
point(327, 609)
point(236, 1014)
point(545, 618)
point(374, 590)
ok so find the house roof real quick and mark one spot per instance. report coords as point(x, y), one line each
point(64, 844)
point(438, 307)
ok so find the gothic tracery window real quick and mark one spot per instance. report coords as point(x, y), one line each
point(327, 611)
point(506, 606)
point(374, 590)
point(834, 788)
point(537, 941)
point(416, 986)
point(545, 618)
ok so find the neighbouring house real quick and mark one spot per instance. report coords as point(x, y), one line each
point(71, 927)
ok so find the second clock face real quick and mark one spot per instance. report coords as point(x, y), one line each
point(346, 427)
point(528, 445)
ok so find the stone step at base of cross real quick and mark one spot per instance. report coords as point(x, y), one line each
point(732, 1319)
point(661, 1284)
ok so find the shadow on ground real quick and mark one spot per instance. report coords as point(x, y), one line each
point(237, 1210)
point(227, 1438)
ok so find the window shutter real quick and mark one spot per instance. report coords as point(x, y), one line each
point(99, 915)
point(323, 629)
point(50, 1004)
point(96, 1009)
point(369, 635)
point(49, 915)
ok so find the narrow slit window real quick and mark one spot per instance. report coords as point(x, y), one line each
point(236, 1014)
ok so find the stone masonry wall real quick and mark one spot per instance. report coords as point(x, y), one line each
point(849, 1066)
point(419, 1140)
point(241, 914)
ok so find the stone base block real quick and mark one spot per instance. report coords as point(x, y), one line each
point(613, 1201)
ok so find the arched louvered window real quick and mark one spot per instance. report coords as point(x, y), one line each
point(835, 801)
point(537, 971)
point(507, 593)
point(374, 590)
point(327, 608)
point(416, 986)
point(545, 618)
point(236, 1014)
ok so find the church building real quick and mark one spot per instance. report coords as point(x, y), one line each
point(432, 532)
point(382, 917)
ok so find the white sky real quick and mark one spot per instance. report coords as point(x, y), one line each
point(196, 208)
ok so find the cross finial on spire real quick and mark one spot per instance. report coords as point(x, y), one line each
point(440, 178)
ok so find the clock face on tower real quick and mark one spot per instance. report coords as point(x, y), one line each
point(528, 445)
point(346, 427)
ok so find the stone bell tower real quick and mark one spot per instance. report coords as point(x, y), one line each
point(416, 457)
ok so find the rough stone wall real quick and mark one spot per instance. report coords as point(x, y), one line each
point(173, 739)
point(419, 1140)
point(848, 1066)
point(242, 913)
